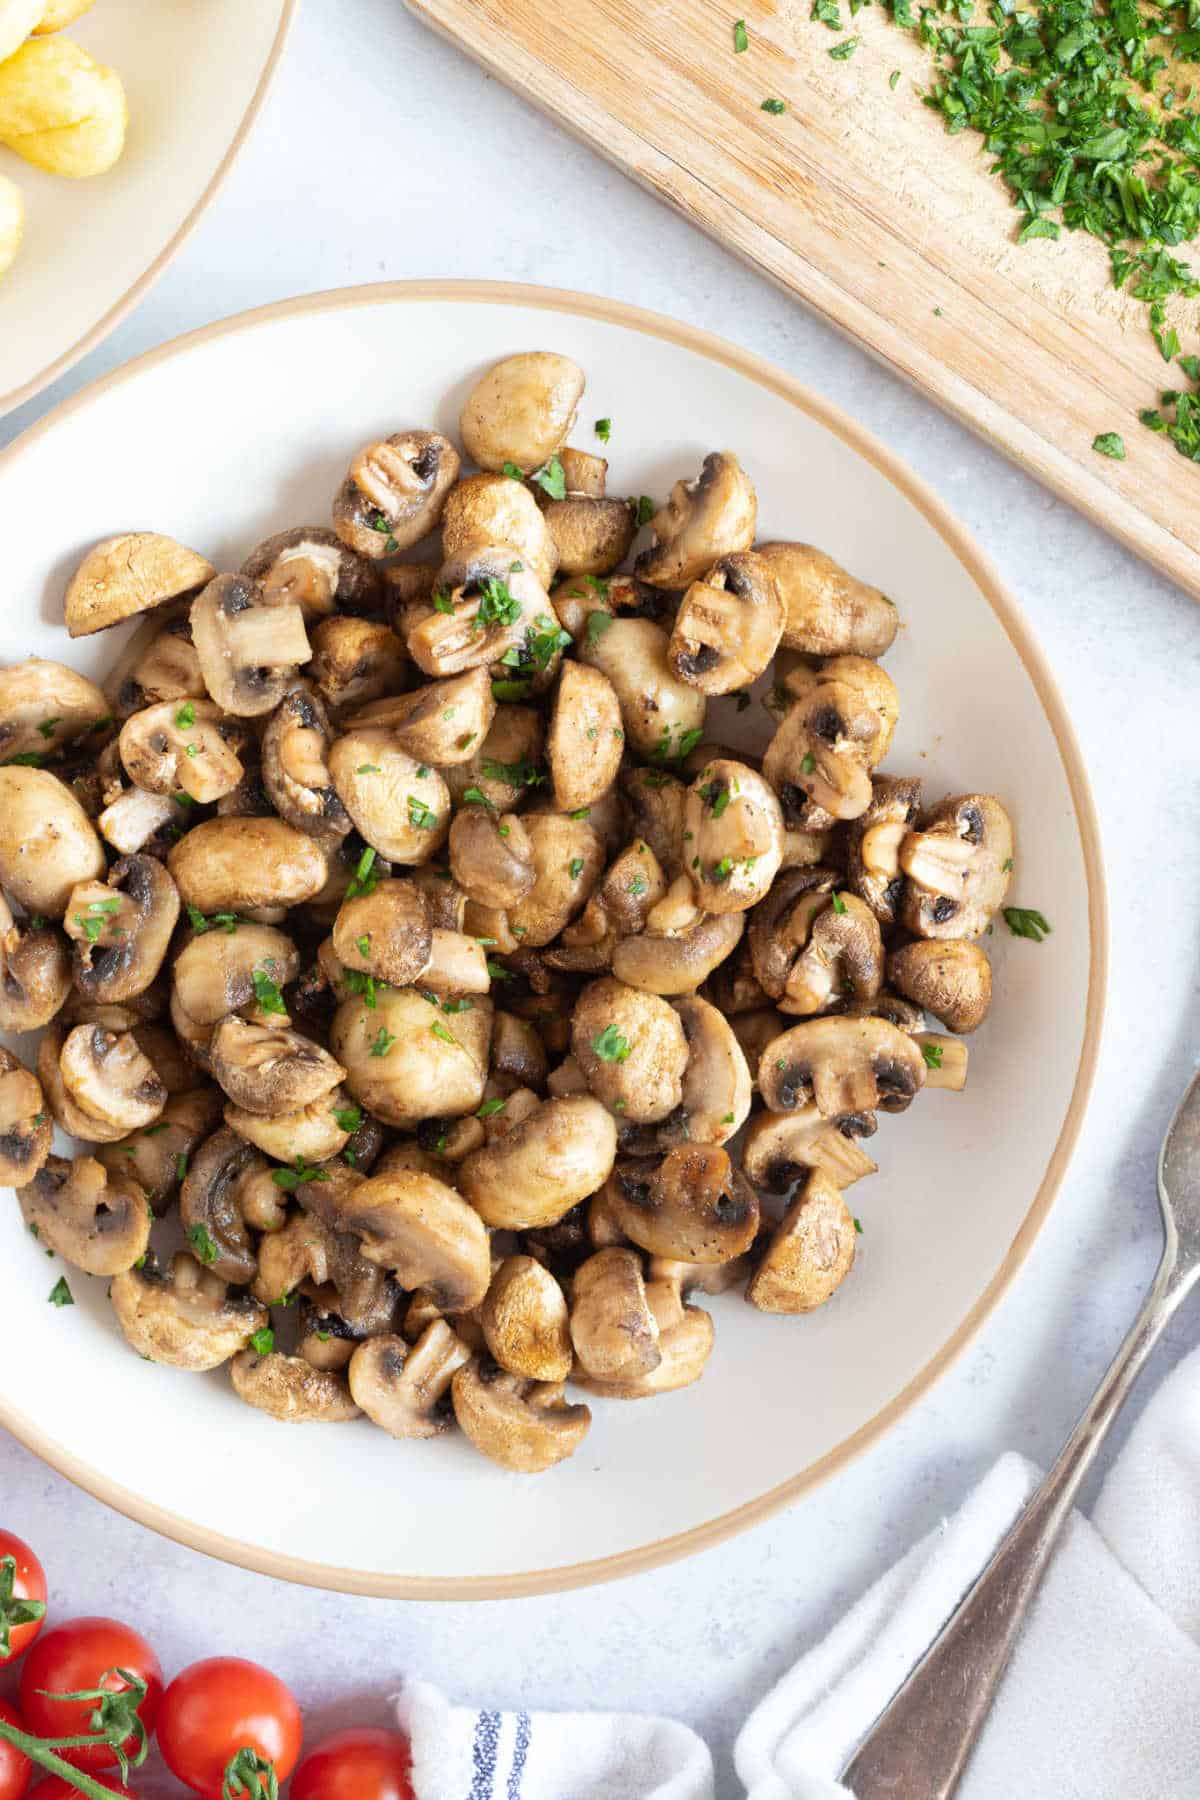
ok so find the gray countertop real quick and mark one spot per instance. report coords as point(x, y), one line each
point(382, 154)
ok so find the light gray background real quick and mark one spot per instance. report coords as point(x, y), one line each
point(383, 153)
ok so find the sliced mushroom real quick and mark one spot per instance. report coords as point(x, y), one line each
point(684, 1348)
point(525, 1426)
point(810, 1254)
point(160, 1156)
point(109, 1080)
point(187, 1318)
point(613, 1331)
point(249, 649)
point(585, 740)
point(958, 866)
point(157, 662)
point(290, 1389)
point(46, 707)
point(26, 1132)
point(406, 1391)
point(568, 857)
point(311, 1134)
point(819, 755)
point(631, 1048)
point(521, 410)
point(213, 1205)
point(489, 613)
point(702, 520)
point(491, 856)
point(679, 958)
point(122, 929)
point(950, 977)
point(873, 844)
point(187, 747)
point(354, 661)
point(443, 723)
point(385, 933)
point(399, 805)
point(295, 767)
point(130, 574)
point(779, 1149)
point(728, 625)
point(511, 749)
point(535, 1174)
point(418, 1227)
point(693, 1206)
point(717, 1089)
point(243, 864)
point(134, 820)
point(394, 492)
point(869, 681)
point(842, 960)
point(658, 801)
point(315, 1247)
point(661, 715)
point(525, 1323)
point(406, 1060)
point(633, 885)
point(311, 568)
point(733, 830)
point(846, 1065)
point(35, 972)
point(495, 509)
point(47, 842)
point(97, 1221)
point(781, 924)
point(270, 1069)
point(214, 974)
point(828, 612)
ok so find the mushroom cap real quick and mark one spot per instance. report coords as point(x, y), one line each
point(407, 1061)
point(521, 410)
point(632, 1049)
point(310, 567)
point(728, 625)
point(109, 973)
point(394, 492)
point(249, 650)
point(295, 769)
point(584, 741)
point(684, 1348)
point(393, 923)
point(442, 723)
point(109, 1081)
point(26, 1132)
point(270, 1068)
point(847, 1065)
point(780, 1148)
point(810, 1253)
point(290, 1389)
point(311, 1134)
point(659, 711)
point(613, 1331)
point(693, 1206)
point(525, 1322)
point(568, 857)
point(158, 661)
point(590, 534)
point(96, 1221)
point(399, 805)
point(827, 611)
point(214, 973)
point(819, 756)
point(495, 509)
point(168, 748)
point(35, 973)
point(48, 844)
point(130, 574)
point(45, 707)
point(243, 864)
point(491, 856)
point(418, 1227)
point(950, 977)
point(678, 962)
point(733, 829)
point(154, 1158)
point(843, 959)
point(781, 923)
point(513, 743)
point(355, 661)
point(186, 1317)
point(406, 1391)
point(873, 844)
point(212, 1205)
point(717, 1087)
point(524, 1426)
point(536, 1173)
point(958, 865)
point(712, 516)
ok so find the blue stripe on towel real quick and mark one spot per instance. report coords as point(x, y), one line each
point(520, 1751)
point(483, 1755)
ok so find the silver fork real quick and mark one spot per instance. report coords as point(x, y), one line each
point(919, 1746)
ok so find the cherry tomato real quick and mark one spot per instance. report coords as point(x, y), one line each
point(357, 1765)
point(55, 1788)
point(220, 1706)
point(15, 1769)
point(28, 1582)
point(77, 1656)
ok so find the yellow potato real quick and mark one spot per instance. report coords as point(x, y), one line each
point(17, 19)
point(59, 13)
point(60, 109)
point(12, 222)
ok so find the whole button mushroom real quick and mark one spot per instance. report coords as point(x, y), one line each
point(585, 739)
point(780, 1148)
point(186, 1317)
point(47, 842)
point(522, 410)
point(290, 1389)
point(406, 1390)
point(533, 1176)
point(568, 857)
point(443, 723)
point(355, 661)
point(613, 1331)
point(820, 754)
point(35, 972)
point(394, 492)
point(701, 521)
point(295, 767)
point(525, 1426)
point(385, 933)
point(662, 716)
point(122, 929)
point(406, 1060)
point(631, 1048)
point(420, 1229)
point(846, 1065)
point(873, 844)
point(949, 977)
point(525, 1321)
point(214, 974)
point(244, 864)
point(399, 805)
point(692, 1205)
point(249, 650)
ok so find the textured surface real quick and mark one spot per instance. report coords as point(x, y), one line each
point(856, 198)
point(466, 181)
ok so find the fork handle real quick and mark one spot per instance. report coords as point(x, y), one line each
point(919, 1746)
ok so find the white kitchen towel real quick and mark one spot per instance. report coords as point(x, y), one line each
point(459, 1754)
point(1101, 1700)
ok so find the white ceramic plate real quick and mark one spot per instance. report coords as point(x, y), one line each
point(196, 73)
point(261, 414)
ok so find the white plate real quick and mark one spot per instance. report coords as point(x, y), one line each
point(196, 73)
point(261, 414)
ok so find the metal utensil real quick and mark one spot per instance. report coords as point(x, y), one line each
point(919, 1746)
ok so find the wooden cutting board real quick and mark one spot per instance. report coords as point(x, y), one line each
point(859, 202)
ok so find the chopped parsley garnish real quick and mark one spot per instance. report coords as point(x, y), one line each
point(552, 480)
point(490, 1108)
point(663, 751)
point(202, 1244)
point(28, 759)
point(636, 886)
point(365, 878)
point(348, 1118)
point(60, 1294)
point(728, 1119)
point(1110, 443)
point(1025, 922)
point(380, 524)
point(836, 901)
point(522, 774)
point(290, 1179)
point(367, 769)
point(581, 812)
point(496, 605)
point(441, 601)
point(644, 509)
point(893, 80)
point(845, 50)
point(224, 921)
point(363, 944)
point(603, 429)
point(510, 690)
point(47, 726)
point(262, 1341)
point(181, 1165)
point(597, 624)
point(359, 982)
point(476, 797)
point(497, 971)
point(421, 815)
point(778, 106)
point(858, 1225)
point(741, 38)
point(933, 1055)
point(513, 472)
point(610, 1046)
point(186, 716)
point(98, 915)
point(440, 1031)
point(1006, 865)
point(267, 994)
point(721, 871)
point(717, 795)
point(808, 763)
point(575, 867)
point(382, 1042)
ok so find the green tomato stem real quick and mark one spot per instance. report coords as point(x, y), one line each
point(39, 1751)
